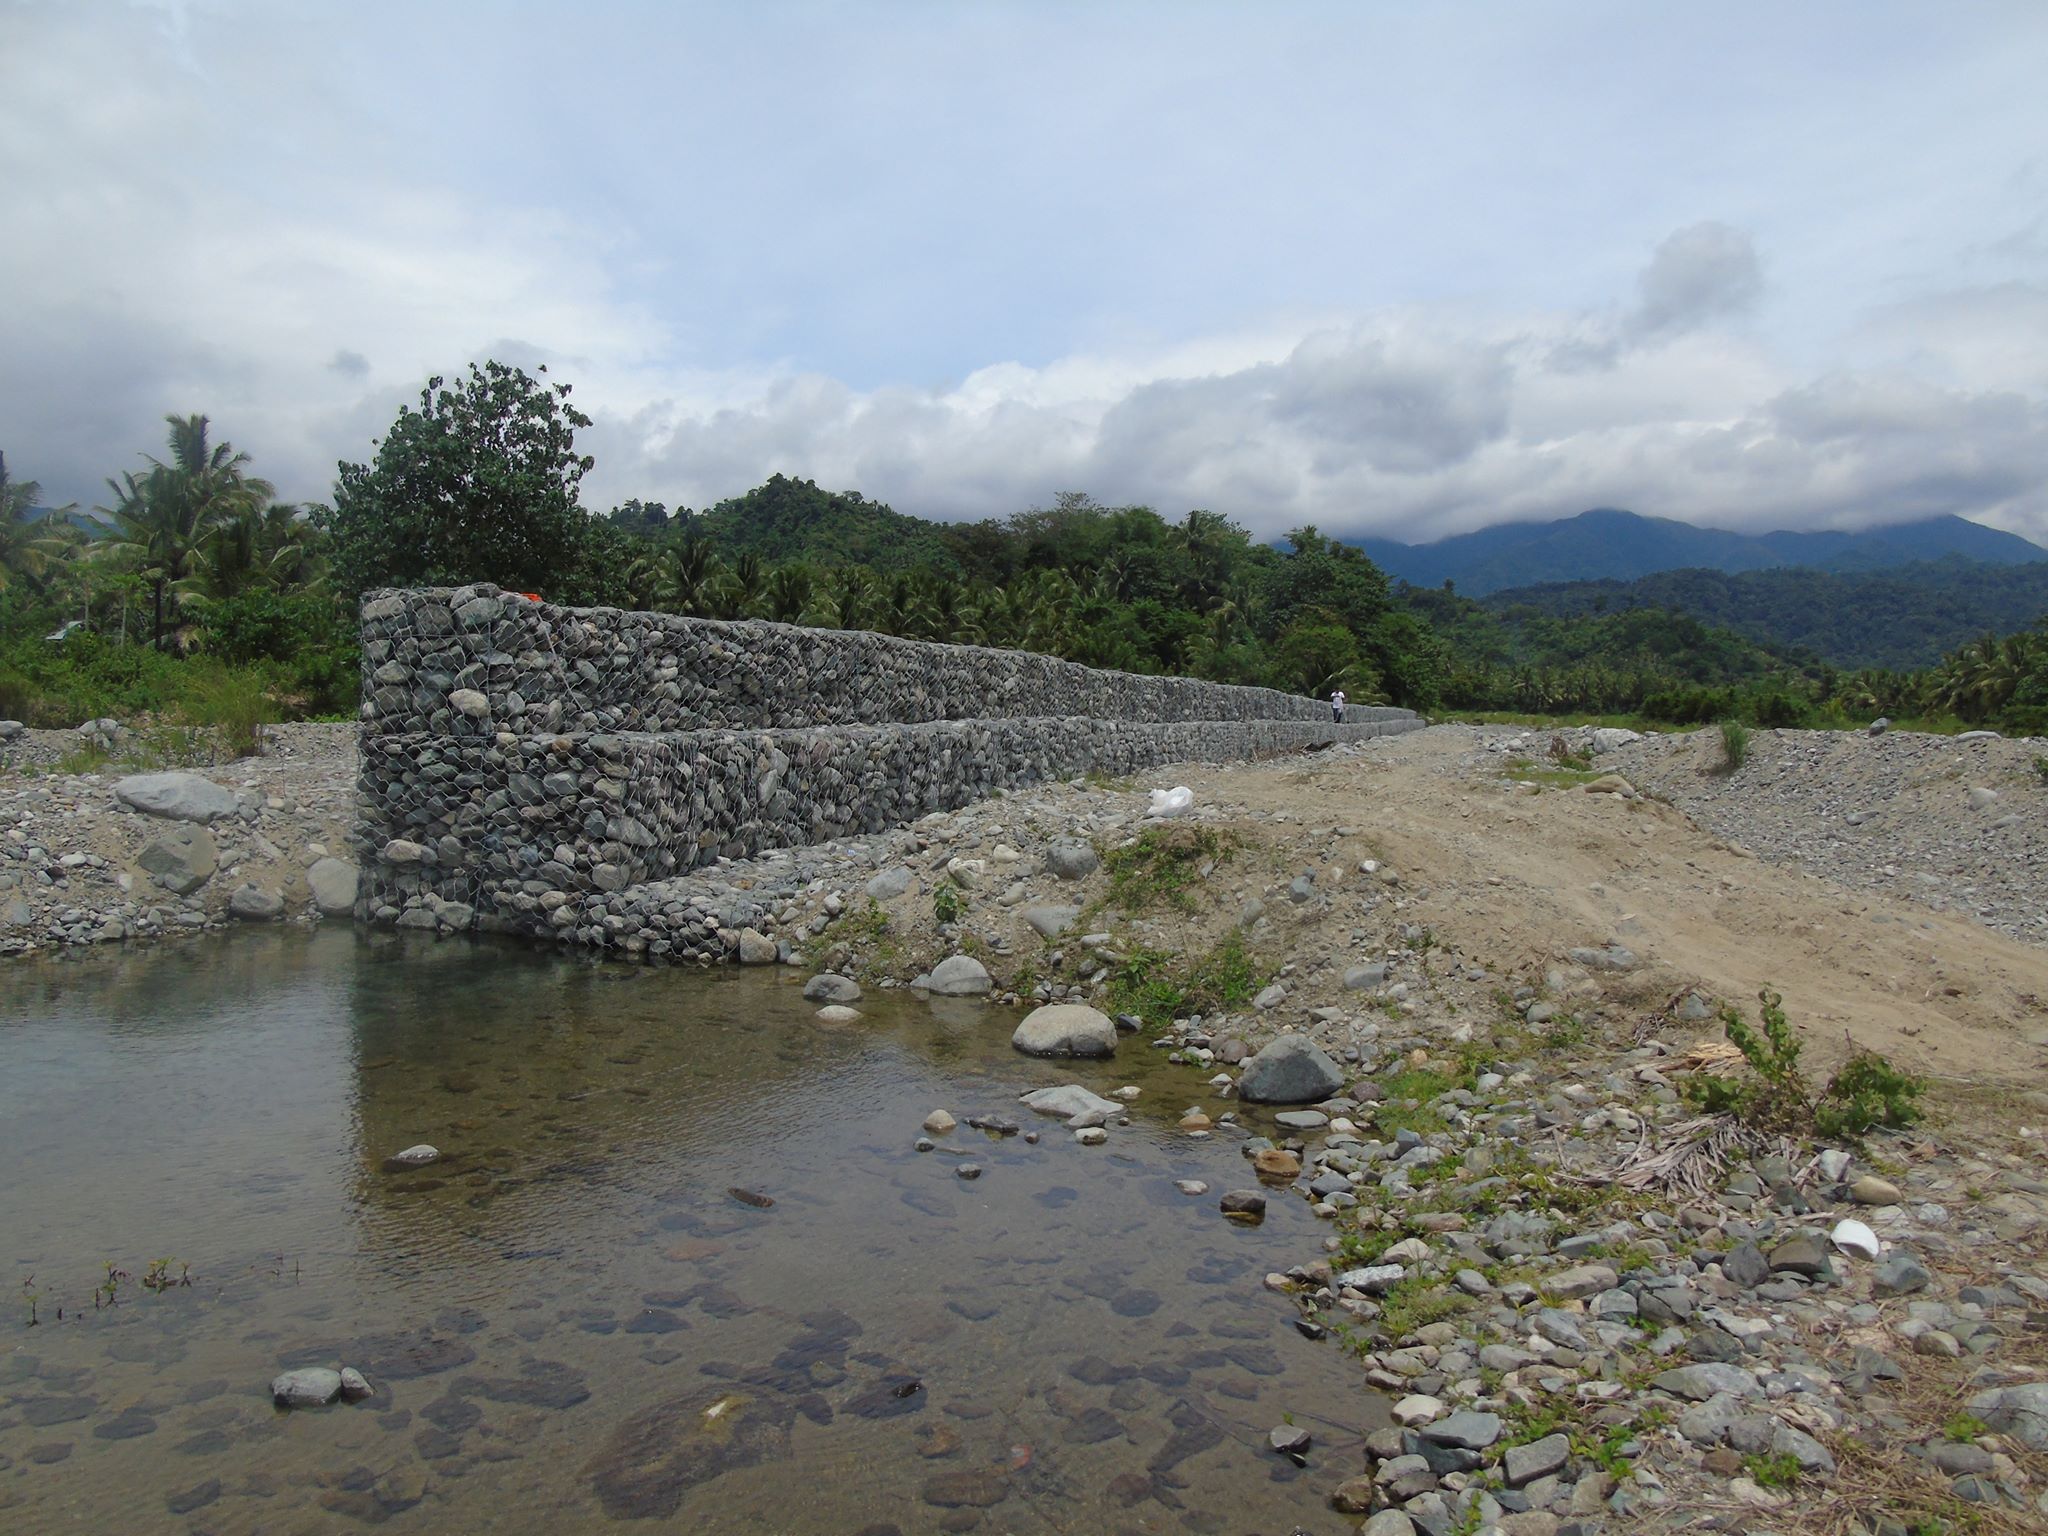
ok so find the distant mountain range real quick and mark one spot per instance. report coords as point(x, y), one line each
point(1606, 544)
point(1906, 617)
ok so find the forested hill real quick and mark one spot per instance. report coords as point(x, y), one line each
point(1605, 544)
point(789, 519)
point(1900, 619)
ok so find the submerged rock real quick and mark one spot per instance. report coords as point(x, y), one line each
point(311, 1387)
point(657, 1456)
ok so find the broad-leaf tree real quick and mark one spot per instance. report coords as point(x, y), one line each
point(478, 484)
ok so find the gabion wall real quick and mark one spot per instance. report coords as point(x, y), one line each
point(519, 758)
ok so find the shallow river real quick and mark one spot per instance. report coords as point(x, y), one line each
point(571, 1323)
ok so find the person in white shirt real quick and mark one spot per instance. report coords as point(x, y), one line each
point(1337, 706)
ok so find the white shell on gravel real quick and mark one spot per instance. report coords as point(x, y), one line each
point(1853, 1236)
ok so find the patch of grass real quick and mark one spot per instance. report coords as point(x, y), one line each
point(1564, 1032)
point(1734, 745)
point(1778, 1471)
point(1417, 1303)
point(1964, 1429)
point(86, 757)
point(1158, 867)
point(1522, 771)
point(2041, 768)
point(1160, 987)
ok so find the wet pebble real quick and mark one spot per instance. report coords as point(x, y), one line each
point(968, 1171)
point(655, 1320)
point(198, 1496)
point(42, 1412)
point(208, 1442)
point(50, 1452)
point(436, 1444)
point(974, 1487)
point(129, 1424)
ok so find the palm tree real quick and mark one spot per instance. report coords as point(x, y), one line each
point(690, 574)
point(267, 549)
point(849, 596)
point(26, 544)
point(788, 594)
point(168, 515)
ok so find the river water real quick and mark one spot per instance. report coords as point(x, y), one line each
point(571, 1322)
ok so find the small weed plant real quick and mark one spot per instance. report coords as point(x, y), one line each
point(947, 905)
point(1869, 1092)
point(1964, 1429)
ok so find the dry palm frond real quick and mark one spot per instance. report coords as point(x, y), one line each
point(1717, 1057)
point(1690, 1157)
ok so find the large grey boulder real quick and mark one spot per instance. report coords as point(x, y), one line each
point(960, 976)
point(176, 796)
point(889, 884)
point(334, 886)
point(756, 948)
point(829, 988)
point(1291, 1070)
point(1072, 860)
point(182, 858)
point(1065, 1029)
point(2021, 1412)
point(1051, 922)
point(253, 904)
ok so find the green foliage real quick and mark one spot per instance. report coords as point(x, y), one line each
point(478, 484)
point(793, 520)
point(1964, 1428)
point(1775, 1471)
point(1159, 987)
point(1158, 867)
point(1903, 618)
point(1867, 1093)
point(1734, 745)
point(1407, 1101)
point(2041, 768)
point(947, 906)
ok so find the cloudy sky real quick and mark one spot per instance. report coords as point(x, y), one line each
point(1395, 267)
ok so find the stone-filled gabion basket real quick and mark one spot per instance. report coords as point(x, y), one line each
point(521, 759)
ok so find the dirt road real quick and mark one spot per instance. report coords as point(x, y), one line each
point(1520, 878)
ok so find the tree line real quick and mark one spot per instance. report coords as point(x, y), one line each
point(194, 568)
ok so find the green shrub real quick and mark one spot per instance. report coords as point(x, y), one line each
point(946, 904)
point(1867, 1093)
point(1734, 745)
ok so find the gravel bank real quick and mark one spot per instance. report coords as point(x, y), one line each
point(78, 866)
point(1959, 825)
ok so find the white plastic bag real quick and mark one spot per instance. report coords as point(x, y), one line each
point(1177, 801)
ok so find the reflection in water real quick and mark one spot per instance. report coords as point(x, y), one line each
point(571, 1319)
